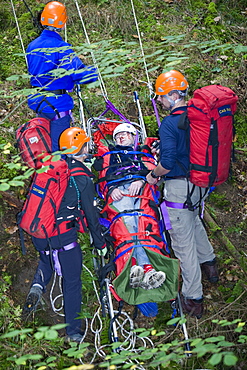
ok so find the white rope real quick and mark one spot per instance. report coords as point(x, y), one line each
point(65, 33)
point(128, 338)
point(59, 296)
point(102, 85)
point(141, 45)
point(19, 32)
point(124, 326)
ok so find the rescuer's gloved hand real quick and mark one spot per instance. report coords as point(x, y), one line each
point(102, 252)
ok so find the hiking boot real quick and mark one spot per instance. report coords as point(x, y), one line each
point(33, 300)
point(210, 270)
point(75, 338)
point(153, 279)
point(193, 307)
point(136, 276)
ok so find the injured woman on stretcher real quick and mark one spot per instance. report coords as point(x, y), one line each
point(144, 271)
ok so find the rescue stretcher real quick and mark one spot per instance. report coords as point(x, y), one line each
point(114, 274)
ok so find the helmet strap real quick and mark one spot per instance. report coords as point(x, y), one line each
point(50, 28)
point(172, 102)
point(80, 156)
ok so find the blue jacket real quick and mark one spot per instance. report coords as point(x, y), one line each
point(174, 145)
point(49, 56)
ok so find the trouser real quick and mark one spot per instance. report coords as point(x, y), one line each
point(71, 267)
point(188, 236)
point(57, 126)
point(131, 222)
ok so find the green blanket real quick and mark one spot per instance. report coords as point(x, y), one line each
point(165, 292)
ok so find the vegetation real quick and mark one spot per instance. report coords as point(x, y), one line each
point(206, 40)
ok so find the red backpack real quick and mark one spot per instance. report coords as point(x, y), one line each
point(210, 115)
point(33, 138)
point(39, 214)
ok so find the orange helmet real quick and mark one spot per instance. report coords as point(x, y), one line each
point(73, 138)
point(54, 14)
point(172, 80)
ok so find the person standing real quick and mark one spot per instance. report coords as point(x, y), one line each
point(188, 236)
point(66, 252)
point(54, 68)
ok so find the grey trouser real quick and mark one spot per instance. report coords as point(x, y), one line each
point(188, 236)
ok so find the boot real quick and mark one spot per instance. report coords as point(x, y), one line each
point(33, 300)
point(136, 276)
point(153, 279)
point(210, 270)
point(193, 307)
point(78, 337)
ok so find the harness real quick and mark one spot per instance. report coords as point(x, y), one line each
point(54, 254)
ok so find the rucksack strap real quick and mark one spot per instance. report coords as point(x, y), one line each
point(21, 233)
point(23, 248)
point(213, 140)
point(183, 123)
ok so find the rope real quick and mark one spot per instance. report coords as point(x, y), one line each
point(141, 47)
point(128, 338)
point(148, 83)
point(102, 86)
point(19, 32)
point(59, 296)
point(140, 41)
point(130, 341)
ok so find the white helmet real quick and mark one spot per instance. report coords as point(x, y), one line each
point(124, 127)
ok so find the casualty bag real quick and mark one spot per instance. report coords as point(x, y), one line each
point(210, 116)
point(33, 139)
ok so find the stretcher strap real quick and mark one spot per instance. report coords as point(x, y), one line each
point(142, 154)
point(113, 292)
point(125, 178)
point(134, 246)
point(139, 214)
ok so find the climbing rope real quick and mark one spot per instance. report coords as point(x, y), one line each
point(148, 83)
point(19, 32)
point(128, 338)
point(141, 46)
point(53, 301)
point(109, 104)
point(102, 85)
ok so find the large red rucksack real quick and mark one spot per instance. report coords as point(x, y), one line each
point(33, 139)
point(210, 117)
point(39, 214)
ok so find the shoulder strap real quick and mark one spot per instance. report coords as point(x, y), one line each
point(178, 112)
point(183, 122)
point(77, 171)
